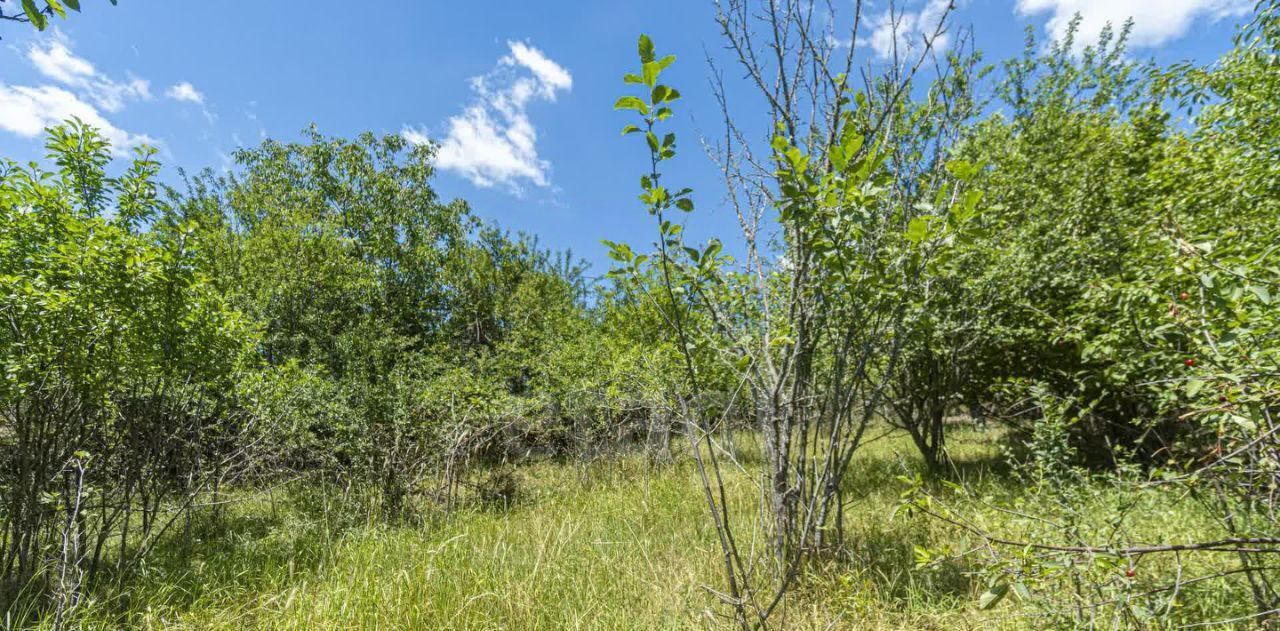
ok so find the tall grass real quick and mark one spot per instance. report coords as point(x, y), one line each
point(610, 544)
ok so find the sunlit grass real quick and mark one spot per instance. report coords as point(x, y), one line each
point(611, 544)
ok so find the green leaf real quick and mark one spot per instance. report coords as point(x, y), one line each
point(632, 77)
point(685, 204)
point(960, 169)
point(713, 248)
point(922, 556)
point(632, 103)
point(918, 230)
point(1245, 423)
point(630, 129)
point(993, 596)
point(659, 194)
point(74, 5)
point(1194, 386)
point(620, 252)
point(651, 72)
point(33, 13)
point(1263, 294)
point(646, 49)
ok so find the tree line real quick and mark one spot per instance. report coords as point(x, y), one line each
point(320, 312)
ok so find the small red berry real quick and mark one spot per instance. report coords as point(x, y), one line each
point(1190, 362)
point(1130, 573)
point(1184, 296)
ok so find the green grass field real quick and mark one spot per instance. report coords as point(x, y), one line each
point(611, 544)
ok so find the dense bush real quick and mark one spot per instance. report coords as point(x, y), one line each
point(319, 312)
point(1124, 276)
point(1123, 253)
point(1069, 259)
point(117, 402)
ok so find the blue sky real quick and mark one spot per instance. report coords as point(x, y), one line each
point(519, 94)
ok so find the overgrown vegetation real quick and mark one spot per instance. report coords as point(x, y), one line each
point(312, 393)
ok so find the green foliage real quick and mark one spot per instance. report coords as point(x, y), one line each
point(318, 312)
point(1124, 276)
point(38, 12)
point(400, 337)
point(118, 356)
point(1120, 247)
point(1072, 261)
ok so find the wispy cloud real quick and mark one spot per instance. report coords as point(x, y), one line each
point(1155, 22)
point(185, 92)
point(83, 93)
point(54, 59)
point(904, 30)
point(415, 136)
point(493, 142)
point(27, 111)
point(551, 76)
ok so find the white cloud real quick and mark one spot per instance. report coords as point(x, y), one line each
point(58, 62)
point(27, 111)
point(908, 29)
point(493, 141)
point(415, 136)
point(54, 59)
point(1155, 22)
point(84, 93)
point(185, 92)
point(551, 76)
